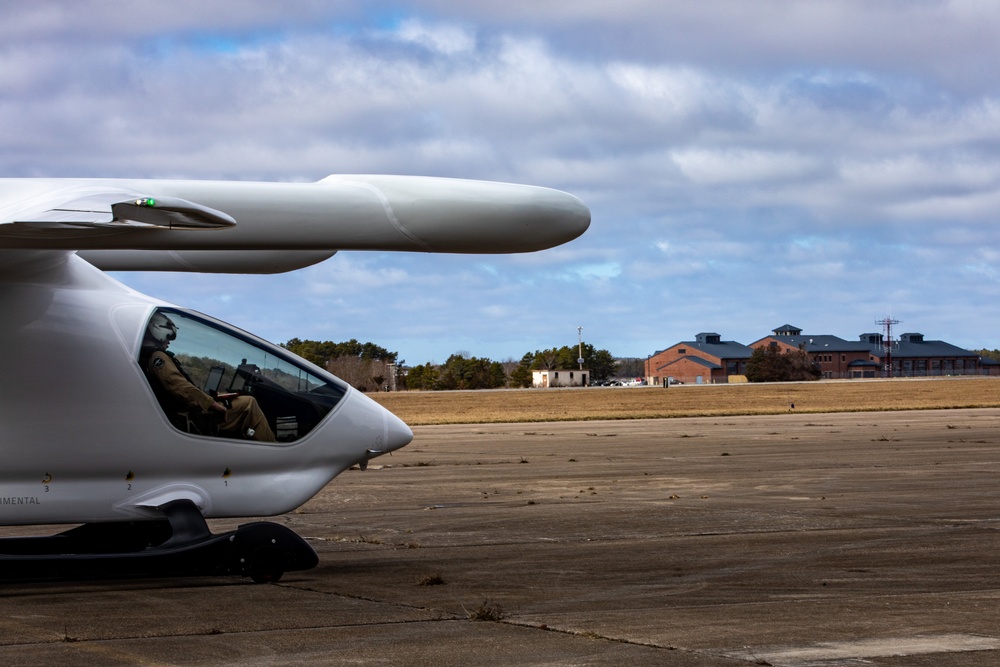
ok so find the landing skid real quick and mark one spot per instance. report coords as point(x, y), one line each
point(179, 545)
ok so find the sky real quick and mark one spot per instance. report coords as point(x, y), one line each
point(824, 164)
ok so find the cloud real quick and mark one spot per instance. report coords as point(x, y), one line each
point(747, 164)
point(445, 39)
point(721, 167)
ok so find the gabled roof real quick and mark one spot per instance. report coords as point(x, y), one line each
point(902, 349)
point(909, 345)
point(712, 345)
point(724, 349)
point(819, 344)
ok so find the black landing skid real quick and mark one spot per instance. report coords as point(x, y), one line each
point(181, 544)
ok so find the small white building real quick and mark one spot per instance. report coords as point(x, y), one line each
point(560, 378)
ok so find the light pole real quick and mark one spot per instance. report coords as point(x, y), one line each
point(579, 338)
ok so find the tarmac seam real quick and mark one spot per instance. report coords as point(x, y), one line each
point(450, 617)
point(589, 634)
point(444, 615)
point(215, 632)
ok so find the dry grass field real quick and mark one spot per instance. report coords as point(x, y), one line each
point(529, 405)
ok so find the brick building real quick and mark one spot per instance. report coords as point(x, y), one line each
point(835, 357)
point(910, 356)
point(707, 359)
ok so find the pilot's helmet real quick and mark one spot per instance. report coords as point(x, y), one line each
point(161, 328)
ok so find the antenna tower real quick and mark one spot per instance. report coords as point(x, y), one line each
point(887, 342)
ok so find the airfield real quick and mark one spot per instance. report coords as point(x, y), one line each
point(782, 539)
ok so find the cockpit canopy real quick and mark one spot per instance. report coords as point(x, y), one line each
point(221, 360)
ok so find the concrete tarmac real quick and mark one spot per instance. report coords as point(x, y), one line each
point(820, 539)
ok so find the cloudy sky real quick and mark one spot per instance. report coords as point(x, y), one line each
point(748, 164)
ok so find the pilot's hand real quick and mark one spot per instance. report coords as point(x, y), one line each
point(218, 407)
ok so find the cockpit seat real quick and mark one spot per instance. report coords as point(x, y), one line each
point(199, 423)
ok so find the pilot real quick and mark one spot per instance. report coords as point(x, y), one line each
point(243, 417)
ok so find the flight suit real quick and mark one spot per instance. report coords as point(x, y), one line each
point(244, 417)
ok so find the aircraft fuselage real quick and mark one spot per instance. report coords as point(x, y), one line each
point(101, 446)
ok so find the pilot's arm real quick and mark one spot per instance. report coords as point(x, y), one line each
point(172, 379)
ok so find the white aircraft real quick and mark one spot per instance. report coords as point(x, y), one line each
point(91, 434)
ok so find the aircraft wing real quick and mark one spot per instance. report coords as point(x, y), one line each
point(235, 226)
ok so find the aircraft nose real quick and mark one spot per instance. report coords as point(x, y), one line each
point(397, 433)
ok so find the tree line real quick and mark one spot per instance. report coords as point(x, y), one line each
point(367, 366)
point(362, 365)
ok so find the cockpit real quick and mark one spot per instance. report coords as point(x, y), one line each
point(224, 363)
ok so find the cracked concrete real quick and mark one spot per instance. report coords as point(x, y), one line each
point(793, 540)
